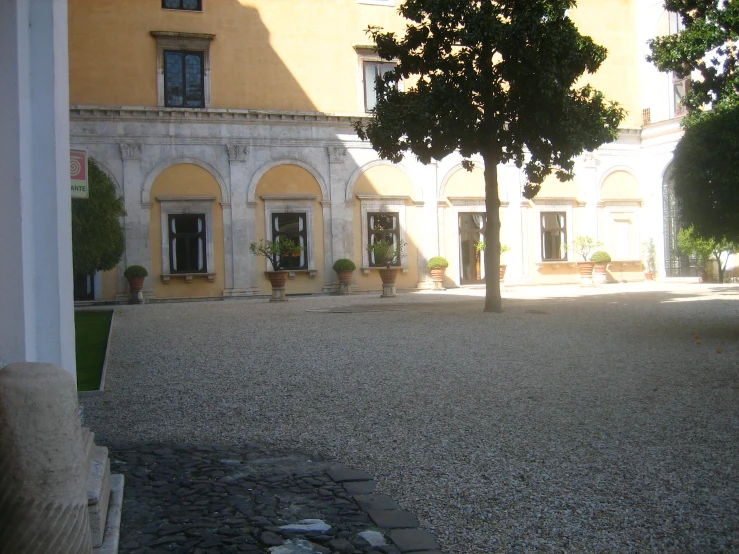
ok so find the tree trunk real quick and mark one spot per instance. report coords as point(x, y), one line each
point(493, 302)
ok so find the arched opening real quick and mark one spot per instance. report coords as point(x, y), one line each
point(677, 264)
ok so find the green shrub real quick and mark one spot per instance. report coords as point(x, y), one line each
point(133, 271)
point(600, 257)
point(344, 264)
point(438, 262)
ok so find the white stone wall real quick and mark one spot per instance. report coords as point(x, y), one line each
point(134, 145)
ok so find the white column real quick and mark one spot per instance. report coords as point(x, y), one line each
point(36, 298)
point(239, 260)
point(328, 257)
point(137, 220)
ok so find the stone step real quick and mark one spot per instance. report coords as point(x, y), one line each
point(88, 442)
point(112, 534)
point(98, 493)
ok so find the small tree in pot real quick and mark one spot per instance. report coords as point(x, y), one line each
point(388, 254)
point(437, 266)
point(650, 259)
point(344, 269)
point(583, 246)
point(276, 251)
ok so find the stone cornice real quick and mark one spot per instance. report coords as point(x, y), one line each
point(207, 115)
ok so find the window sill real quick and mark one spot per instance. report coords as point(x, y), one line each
point(291, 272)
point(188, 277)
point(556, 265)
point(366, 270)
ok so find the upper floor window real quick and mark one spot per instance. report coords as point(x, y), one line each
point(553, 236)
point(186, 5)
point(373, 70)
point(183, 79)
point(680, 88)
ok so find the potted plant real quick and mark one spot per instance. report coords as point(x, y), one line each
point(135, 275)
point(437, 265)
point(277, 252)
point(344, 269)
point(601, 259)
point(480, 246)
point(650, 260)
point(386, 253)
point(583, 246)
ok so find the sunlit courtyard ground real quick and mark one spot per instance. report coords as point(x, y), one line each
point(579, 420)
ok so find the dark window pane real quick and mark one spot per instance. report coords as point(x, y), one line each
point(293, 226)
point(194, 80)
point(173, 85)
point(172, 4)
point(383, 226)
point(187, 243)
point(190, 4)
point(553, 236)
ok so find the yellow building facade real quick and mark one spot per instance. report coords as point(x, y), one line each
point(223, 122)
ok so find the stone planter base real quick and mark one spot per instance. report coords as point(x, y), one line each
point(600, 276)
point(586, 273)
point(437, 275)
point(388, 276)
point(345, 280)
point(277, 279)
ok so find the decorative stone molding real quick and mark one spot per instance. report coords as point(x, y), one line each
point(466, 200)
point(379, 201)
point(146, 205)
point(590, 160)
point(188, 277)
point(563, 201)
point(325, 203)
point(236, 152)
point(130, 150)
point(419, 203)
point(163, 114)
point(337, 154)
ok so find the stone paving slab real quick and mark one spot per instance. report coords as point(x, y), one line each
point(210, 499)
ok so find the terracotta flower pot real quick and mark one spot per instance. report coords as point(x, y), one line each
point(277, 279)
point(586, 273)
point(345, 277)
point(437, 273)
point(502, 271)
point(388, 276)
point(136, 284)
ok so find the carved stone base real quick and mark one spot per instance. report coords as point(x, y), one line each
point(42, 462)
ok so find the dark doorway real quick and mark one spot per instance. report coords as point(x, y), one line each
point(471, 247)
point(84, 287)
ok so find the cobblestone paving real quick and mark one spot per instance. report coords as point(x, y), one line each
point(219, 499)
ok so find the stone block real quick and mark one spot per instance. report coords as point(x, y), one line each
point(98, 493)
point(413, 540)
point(359, 487)
point(376, 502)
point(393, 519)
point(42, 457)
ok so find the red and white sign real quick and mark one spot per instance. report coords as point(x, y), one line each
point(78, 173)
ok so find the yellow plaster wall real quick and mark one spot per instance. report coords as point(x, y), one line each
point(612, 23)
point(186, 180)
point(109, 284)
point(620, 184)
point(390, 181)
point(291, 179)
point(554, 188)
point(466, 183)
point(259, 60)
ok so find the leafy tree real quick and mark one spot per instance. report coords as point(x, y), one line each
point(495, 78)
point(706, 174)
point(97, 235)
point(691, 242)
point(706, 44)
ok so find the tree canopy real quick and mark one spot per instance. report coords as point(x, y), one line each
point(97, 235)
point(705, 168)
point(495, 78)
point(690, 242)
point(706, 44)
point(705, 171)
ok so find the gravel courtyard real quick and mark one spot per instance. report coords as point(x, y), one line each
point(579, 420)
